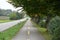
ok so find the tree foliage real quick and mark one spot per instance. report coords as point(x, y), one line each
point(15, 16)
point(46, 7)
point(5, 12)
point(49, 8)
point(54, 28)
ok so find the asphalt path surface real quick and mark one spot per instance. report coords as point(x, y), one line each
point(28, 32)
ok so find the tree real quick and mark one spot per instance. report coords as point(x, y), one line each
point(52, 9)
point(35, 8)
point(15, 16)
point(32, 10)
point(5, 12)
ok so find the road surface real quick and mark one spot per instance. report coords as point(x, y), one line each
point(4, 26)
point(28, 32)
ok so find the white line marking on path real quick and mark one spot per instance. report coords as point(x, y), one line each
point(28, 32)
point(28, 27)
point(28, 39)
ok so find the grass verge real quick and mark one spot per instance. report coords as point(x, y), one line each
point(3, 21)
point(43, 31)
point(9, 33)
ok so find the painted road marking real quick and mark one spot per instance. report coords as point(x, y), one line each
point(28, 27)
point(28, 39)
point(28, 32)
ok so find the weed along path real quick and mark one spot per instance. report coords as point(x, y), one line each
point(28, 32)
point(4, 26)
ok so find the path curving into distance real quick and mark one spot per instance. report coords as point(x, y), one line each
point(28, 32)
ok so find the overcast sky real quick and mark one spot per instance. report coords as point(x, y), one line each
point(5, 5)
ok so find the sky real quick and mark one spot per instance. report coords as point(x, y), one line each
point(5, 5)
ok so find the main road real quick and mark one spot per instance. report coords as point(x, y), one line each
point(5, 26)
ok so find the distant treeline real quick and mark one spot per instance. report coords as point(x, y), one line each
point(13, 15)
point(5, 12)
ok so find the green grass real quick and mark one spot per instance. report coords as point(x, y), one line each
point(2, 21)
point(43, 31)
point(9, 33)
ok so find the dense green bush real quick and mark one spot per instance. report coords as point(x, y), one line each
point(15, 16)
point(54, 28)
point(42, 23)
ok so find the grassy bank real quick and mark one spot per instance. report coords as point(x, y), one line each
point(2, 21)
point(43, 31)
point(9, 33)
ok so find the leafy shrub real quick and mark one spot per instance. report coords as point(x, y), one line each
point(54, 28)
point(15, 16)
point(42, 23)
